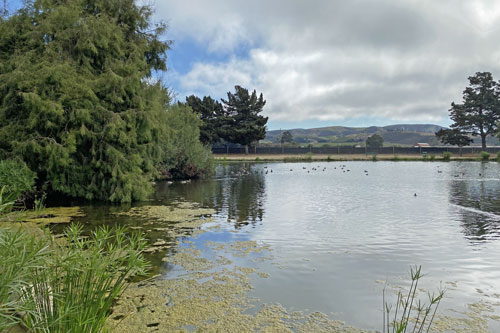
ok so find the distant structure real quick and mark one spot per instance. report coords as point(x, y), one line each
point(421, 145)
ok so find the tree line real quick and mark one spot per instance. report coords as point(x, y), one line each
point(235, 120)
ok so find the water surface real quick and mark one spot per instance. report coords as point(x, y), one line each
point(340, 231)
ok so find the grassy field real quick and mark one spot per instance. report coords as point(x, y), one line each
point(340, 157)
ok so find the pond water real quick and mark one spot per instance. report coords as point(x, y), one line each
point(338, 232)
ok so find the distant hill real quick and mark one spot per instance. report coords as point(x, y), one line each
point(401, 134)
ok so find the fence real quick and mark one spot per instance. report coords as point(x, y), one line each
point(340, 150)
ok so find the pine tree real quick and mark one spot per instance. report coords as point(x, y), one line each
point(480, 112)
point(244, 125)
point(211, 113)
point(76, 99)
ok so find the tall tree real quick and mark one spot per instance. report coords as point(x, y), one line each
point(244, 124)
point(480, 111)
point(76, 99)
point(375, 141)
point(211, 113)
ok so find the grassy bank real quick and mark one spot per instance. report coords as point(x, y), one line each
point(341, 157)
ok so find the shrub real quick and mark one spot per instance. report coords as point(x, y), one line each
point(446, 156)
point(498, 156)
point(308, 156)
point(374, 158)
point(484, 156)
point(432, 157)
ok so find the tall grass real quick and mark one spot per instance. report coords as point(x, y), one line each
point(16, 181)
point(410, 314)
point(73, 286)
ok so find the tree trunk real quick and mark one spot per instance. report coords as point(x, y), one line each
point(246, 149)
point(483, 140)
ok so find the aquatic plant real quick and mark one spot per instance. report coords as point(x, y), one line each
point(67, 285)
point(484, 156)
point(20, 255)
point(446, 156)
point(16, 181)
point(409, 311)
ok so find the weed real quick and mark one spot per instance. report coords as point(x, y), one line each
point(374, 158)
point(432, 157)
point(498, 156)
point(446, 156)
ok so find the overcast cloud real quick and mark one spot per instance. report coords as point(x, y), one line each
point(338, 60)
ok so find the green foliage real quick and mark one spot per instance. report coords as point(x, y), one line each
point(78, 103)
point(286, 137)
point(484, 156)
point(424, 157)
point(244, 125)
point(212, 115)
point(187, 157)
point(375, 141)
point(20, 255)
point(453, 137)
point(16, 181)
point(432, 157)
point(480, 111)
point(446, 156)
point(409, 310)
point(374, 157)
point(67, 287)
point(498, 156)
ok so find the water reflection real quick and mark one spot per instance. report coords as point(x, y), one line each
point(237, 193)
point(474, 193)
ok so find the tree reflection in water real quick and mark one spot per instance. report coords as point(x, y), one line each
point(477, 197)
point(237, 192)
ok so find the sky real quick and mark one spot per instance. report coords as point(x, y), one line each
point(333, 62)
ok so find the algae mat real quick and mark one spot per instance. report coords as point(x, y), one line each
point(211, 295)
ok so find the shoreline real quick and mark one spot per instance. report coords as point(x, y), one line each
point(342, 157)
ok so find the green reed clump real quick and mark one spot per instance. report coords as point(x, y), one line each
point(410, 314)
point(446, 156)
point(498, 156)
point(16, 181)
point(73, 286)
point(374, 158)
point(432, 157)
point(484, 156)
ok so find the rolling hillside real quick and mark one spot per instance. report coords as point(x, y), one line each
point(402, 134)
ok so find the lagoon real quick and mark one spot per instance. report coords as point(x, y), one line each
point(337, 233)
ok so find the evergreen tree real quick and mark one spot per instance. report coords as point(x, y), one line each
point(211, 113)
point(480, 112)
point(244, 125)
point(76, 99)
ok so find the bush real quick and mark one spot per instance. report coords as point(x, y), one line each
point(186, 156)
point(484, 156)
point(65, 287)
point(498, 156)
point(16, 181)
point(432, 157)
point(374, 158)
point(446, 156)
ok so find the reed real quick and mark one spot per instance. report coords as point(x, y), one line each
point(410, 314)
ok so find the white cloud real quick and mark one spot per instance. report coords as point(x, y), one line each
point(403, 60)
